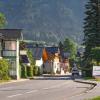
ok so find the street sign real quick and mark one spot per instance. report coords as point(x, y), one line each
point(96, 71)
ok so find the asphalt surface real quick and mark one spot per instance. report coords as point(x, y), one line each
point(56, 88)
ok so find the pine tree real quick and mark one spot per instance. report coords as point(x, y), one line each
point(91, 30)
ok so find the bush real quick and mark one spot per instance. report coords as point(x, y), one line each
point(38, 72)
point(95, 54)
point(4, 69)
point(29, 71)
point(23, 71)
point(32, 70)
point(35, 70)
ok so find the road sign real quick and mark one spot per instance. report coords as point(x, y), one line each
point(96, 71)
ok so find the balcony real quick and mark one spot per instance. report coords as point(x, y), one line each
point(9, 53)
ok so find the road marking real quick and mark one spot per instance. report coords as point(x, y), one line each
point(31, 91)
point(46, 88)
point(11, 96)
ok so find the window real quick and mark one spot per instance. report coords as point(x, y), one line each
point(12, 67)
point(10, 45)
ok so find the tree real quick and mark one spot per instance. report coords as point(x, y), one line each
point(22, 45)
point(70, 46)
point(61, 47)
point(4, 69)
point(91, 30)
point(96, 55)
point(2, 20)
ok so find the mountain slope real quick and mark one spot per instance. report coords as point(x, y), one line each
point(48, 20)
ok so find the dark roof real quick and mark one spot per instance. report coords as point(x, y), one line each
point(66, 54)
point(24, 59)
point(29, 45)
point(52, 50)
point(10, 33)
point(37, 52)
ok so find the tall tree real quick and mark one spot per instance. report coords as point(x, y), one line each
point(91, 30)
point(71, 47)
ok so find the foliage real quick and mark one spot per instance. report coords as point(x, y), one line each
point(31, 59)
point(91, 31)
point(2, 20)
point(70, 46)
point(39, 72)
point(96, 98)
point(23, 71)
point(4, 69)
point(35, 70)
point(29, 71)
point(22, 45)
point(61, 45)
point(96, 54)
point(32, 62)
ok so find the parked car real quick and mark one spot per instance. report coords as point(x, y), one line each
point(75, 71)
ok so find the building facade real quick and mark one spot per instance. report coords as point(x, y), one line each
point(9, 45)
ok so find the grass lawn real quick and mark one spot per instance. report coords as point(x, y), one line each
point(96, 98)
point(3, 81)
point(89, 78)
point(92, 79)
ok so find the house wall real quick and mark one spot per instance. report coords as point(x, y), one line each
point(56, 63)
point(39, 63)
point(11, 53)
point(48, 67)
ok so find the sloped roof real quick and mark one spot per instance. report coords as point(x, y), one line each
point(52, 50)
point(37, 52)
point(10, 33)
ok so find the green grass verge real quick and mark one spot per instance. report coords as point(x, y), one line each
point(3, 81)
point(92, 79)
point(89, 78)
point(96, 98)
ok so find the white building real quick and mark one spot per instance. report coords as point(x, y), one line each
point(9, 44)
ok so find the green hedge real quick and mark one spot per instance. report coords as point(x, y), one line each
point(29, 71)
point(35, 70)
point(4, 69)
point(23, 71)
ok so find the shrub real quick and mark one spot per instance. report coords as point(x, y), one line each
point(23, 71)
point(38, 72)
point(32, 70)
point(29, 71)
point(35, 70)
point(4, 69)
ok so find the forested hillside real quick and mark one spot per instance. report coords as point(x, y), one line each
point(48, 20)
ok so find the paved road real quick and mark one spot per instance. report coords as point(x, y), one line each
point(47, 89)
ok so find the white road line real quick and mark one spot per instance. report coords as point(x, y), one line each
point(11, 96)
point(46, 88)
point(31, 91)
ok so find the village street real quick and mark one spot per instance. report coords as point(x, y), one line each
point(59, 88)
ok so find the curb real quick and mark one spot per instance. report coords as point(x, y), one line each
point(85, 82)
